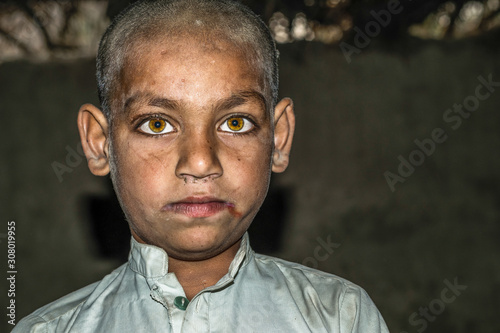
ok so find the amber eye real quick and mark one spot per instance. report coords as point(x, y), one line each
point(235, 124)
point(157, 125)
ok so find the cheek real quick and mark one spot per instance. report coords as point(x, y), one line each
point(250, 154)
point(141, 171)
point(248, 169)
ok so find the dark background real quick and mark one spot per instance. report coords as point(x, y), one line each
point(354, 121)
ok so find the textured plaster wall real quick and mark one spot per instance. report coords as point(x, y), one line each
point(442, 223)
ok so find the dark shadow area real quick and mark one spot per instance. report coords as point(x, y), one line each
point(108, 228)
point(266, 231)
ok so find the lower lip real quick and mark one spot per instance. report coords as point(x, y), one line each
point(205, 209)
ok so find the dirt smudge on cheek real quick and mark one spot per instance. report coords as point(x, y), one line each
point(154, 156)
point(234, 212)
point(155, 164)
point(140, 161)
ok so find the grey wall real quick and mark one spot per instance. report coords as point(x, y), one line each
point(353, 121)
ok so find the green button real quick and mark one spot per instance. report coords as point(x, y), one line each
point(181, 302)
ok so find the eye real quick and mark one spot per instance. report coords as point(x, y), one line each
point(156, 126)
point(237, 125)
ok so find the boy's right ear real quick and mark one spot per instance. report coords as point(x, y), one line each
point(93, 128)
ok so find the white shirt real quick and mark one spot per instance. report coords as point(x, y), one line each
point(258, 294)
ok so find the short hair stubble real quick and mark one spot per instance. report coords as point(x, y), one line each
point(220, 19)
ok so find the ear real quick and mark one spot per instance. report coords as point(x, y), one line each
point(93, 128)
point(284, 126)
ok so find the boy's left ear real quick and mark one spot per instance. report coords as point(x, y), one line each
point(284, 126)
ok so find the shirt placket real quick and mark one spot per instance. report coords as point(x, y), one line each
point(170, 294)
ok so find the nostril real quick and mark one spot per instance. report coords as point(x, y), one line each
point(188, 179)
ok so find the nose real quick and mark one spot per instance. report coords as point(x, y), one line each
point(198, 158)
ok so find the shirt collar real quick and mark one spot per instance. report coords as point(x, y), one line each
point(152, 261)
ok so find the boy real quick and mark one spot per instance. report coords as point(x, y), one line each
point(190, 130)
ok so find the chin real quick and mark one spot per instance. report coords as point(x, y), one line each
point(199, 245)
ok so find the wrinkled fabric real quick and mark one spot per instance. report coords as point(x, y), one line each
point(258, 294)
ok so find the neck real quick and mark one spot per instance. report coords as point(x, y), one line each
point(195, 276)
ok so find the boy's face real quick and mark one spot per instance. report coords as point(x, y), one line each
point(192, 146)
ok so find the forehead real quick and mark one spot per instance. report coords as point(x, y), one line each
point(189, 69)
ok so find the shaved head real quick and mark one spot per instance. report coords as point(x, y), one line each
point(208, 21)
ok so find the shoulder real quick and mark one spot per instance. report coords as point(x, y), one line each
point(304, 275)
point(66, 306)
point(36, 321)
point(332, 295)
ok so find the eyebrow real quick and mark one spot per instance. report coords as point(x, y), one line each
point(150, 100)
point(231, 102)
point(241, 98)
